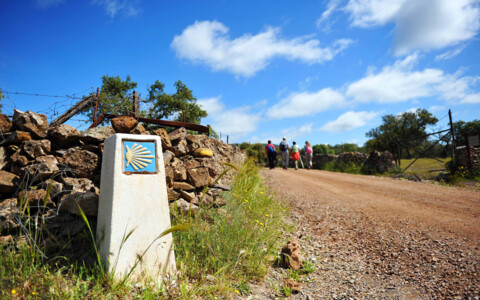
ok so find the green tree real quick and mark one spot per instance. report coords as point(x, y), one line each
point(408, 128)
point(461, 129)
point(322, 149)
point(182, 105)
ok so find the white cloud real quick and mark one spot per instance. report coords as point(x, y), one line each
point(323, 20)
point(472, 99)
point(303, 104)
point(437, 108)
point(368, 13)
point(295, 132)
point(128, 8)
point(236, 123)
point(400, 83)
point(207, 42)
point(349, 120)
point(419, 24)
point(211, 105)
point(450, 53)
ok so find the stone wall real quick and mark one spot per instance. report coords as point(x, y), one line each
point(463, 160)
point(52, 169)
point(375, 162)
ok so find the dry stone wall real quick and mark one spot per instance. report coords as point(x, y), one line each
point(464, 160)
point(375, 162)
point(53, 170)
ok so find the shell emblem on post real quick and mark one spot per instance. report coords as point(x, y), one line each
point(138, 157)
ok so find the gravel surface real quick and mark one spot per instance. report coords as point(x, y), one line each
point(378, 238)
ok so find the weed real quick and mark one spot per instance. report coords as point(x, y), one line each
point(308, 266)
point(287, 291)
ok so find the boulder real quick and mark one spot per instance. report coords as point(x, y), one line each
point(96, 135)
point(42, 168)
point(189, 196)
point(183, 186)
point(35, 198)
point(179, 170)
point(82, 162)
point(35, 149)
point(139, 129)
point(198, 177)
point(169, 176)
point(4, 158)
point(290, 256)
point(166, 143)
point(184, 207)
point(5, 124)
point(177, 134)
point(124, 124)
point(172, 195)
point(8, 182)
point(167, 157)
point(180, 149)
point(81, 185)
point(35, 124)
point(19, 158)
point(63, 135)
point(203, 152)
point(55, 187)
point(8, 210)
point(293, 285)
point(16, 138)
point(88, 203)
point(191, 163)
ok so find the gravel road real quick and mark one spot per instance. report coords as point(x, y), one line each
point(378, 238)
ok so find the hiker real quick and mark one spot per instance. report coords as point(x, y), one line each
point(308, 154)
point(271, 154)
point(284, 152)
point(295, 154)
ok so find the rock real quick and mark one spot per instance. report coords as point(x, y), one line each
point(185, 207)
point(166, 143)
point(81, 185)
point(169, 176)
point(88, 202)
point(292, 284)
point(379, 162)
point(124, 124)
point(35, 198)
point(203, 152)
point(205, 200)
point(18, 158)
point(96, 135)
point(42, 168)
point(198, 177)
point(191, 163)
point(167, 157)
point(180, 149)
point(221, 187)
point(55, 187)
point(183, 186)
point(82, 162)
point(290, 257)
point(219, 202)
point(63, 135)
point(8, 210)
point(5, 240)
point(179, 133)
point(4, 158)
point(5, 124)
point(8, 182)
point(179, 170)
point(139, 129)
point(172, 195)
point(35, 124)
point(16, 138)
point(35, 149)
point(188, 196)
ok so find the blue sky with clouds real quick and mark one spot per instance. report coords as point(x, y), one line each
point(323, 71)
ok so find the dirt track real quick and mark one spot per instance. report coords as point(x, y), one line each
point(376, 237)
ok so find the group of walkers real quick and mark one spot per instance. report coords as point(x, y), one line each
point(285, 153)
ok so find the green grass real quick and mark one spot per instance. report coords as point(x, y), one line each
point(423, 165)
point(223, 251)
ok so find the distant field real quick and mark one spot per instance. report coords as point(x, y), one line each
point(424, 164)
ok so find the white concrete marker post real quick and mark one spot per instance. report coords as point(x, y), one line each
point(133, 199)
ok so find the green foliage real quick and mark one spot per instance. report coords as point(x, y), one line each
point(336, 166)
point(409, 127)
point(322, 149)
point(255, 151)
point(308, 267)
point(287, 291)
point(461, 129)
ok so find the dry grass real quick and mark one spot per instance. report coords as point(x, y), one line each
point(423, 165)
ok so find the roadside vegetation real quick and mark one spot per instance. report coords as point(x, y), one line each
point(219, 255)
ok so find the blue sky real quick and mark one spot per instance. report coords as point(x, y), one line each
point(322, 71)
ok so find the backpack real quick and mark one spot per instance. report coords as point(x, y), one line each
point(309, 149)
point(270, 149)
point(283, 147)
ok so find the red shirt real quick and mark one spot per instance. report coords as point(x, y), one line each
point(266, 148)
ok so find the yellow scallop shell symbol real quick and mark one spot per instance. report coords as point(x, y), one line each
point(138, 157)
